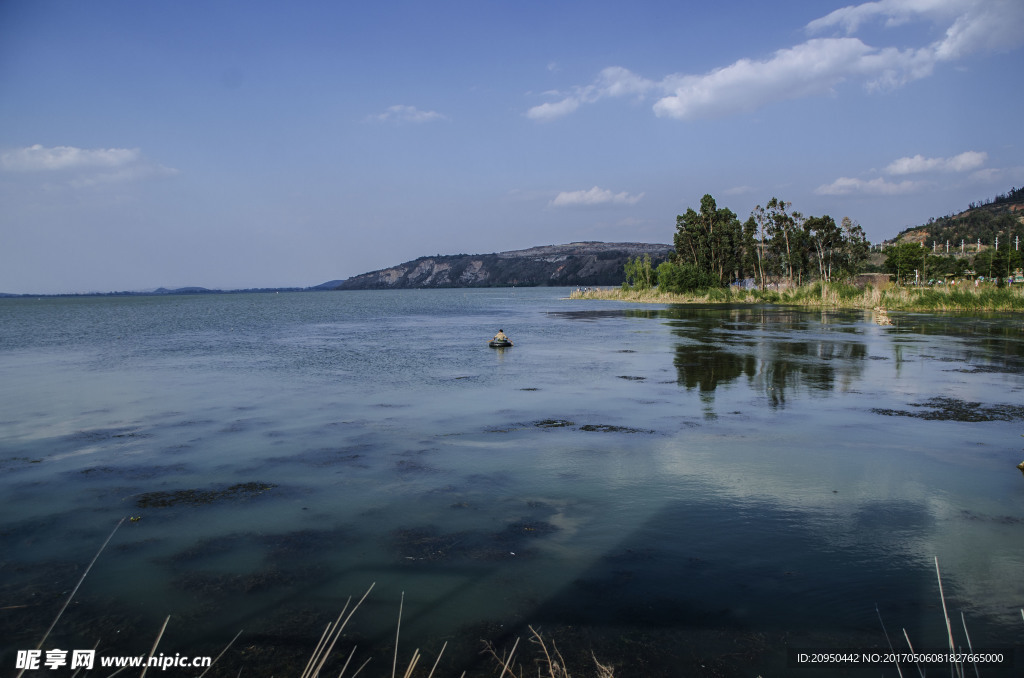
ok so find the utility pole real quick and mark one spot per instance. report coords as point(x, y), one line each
point(961, 245)
point(947, 247)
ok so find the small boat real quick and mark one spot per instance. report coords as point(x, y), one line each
point(499, 343)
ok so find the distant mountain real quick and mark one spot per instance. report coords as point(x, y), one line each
point(160, 291)
point(574, 264)
point(1002, 216)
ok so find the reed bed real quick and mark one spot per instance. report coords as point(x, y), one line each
point(835, 295)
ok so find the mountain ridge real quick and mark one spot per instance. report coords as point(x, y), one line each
point(588, 263)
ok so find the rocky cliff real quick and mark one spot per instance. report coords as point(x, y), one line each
point(574, 264)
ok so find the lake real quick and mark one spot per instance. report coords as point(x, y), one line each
point(682, 490)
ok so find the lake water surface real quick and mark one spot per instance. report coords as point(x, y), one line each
point(684, 490)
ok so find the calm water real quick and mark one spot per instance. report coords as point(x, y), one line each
point(670, 486)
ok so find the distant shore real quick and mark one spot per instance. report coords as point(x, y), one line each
point(834, 295)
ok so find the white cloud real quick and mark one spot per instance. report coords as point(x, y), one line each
point(977, 25)
point(818, 65)
point(594, 196)
point(965, 162)
point(411, 114)
point(83, 167)
point(550, 111)
point(879, 186)
point(38, 158)
point(895, 13)
point(613, 81)
point(815, 66)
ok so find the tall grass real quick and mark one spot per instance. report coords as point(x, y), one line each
point(835, 295)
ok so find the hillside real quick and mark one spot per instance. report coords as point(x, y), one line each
point(570, 265)
point(1003, 216)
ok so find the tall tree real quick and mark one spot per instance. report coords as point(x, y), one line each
point(856, 247)
point(903, 259)
point(782, 230)
point(759, 221)
point(1005, 261)
point(711, 240)
point(639, 273)
point(827, 240)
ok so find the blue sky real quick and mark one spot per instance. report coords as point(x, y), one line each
point(240, 144)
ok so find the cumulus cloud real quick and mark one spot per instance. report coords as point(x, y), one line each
point(410, 114)
point(816, 66)
point(965, 162)
point(594, 196)
point(879, 186)
point(968, 161)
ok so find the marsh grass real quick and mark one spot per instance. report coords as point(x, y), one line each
point(835, 295)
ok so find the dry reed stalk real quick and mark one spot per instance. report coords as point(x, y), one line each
point(398, 627)
point(152, 650)
point(512, 653)
point(323, 650)
point(886, 634)
point(412, 663)
point(436, 661)
point(360, 669)
point(556, 667)
point(919, 671)
point(970, 648)
point(945, 614)
point(603, 671)
point(351, 654)
point(226, 647)
point(320, 645)
point(75, 590)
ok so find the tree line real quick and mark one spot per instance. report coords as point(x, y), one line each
point(911, 261)
point(775, 244)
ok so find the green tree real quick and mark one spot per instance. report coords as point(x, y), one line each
point(684, 278)
point(903, 259)
point(856, 247)
point(782, 230)
point(982, 263)
point(639, 274)
point(1004, 261)
point(710, 240)
point(827, 240)
point(752, 250)
point(759, 221)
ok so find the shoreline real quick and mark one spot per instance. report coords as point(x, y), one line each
point(834, 296)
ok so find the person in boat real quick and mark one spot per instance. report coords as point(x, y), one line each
point(500, 336)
